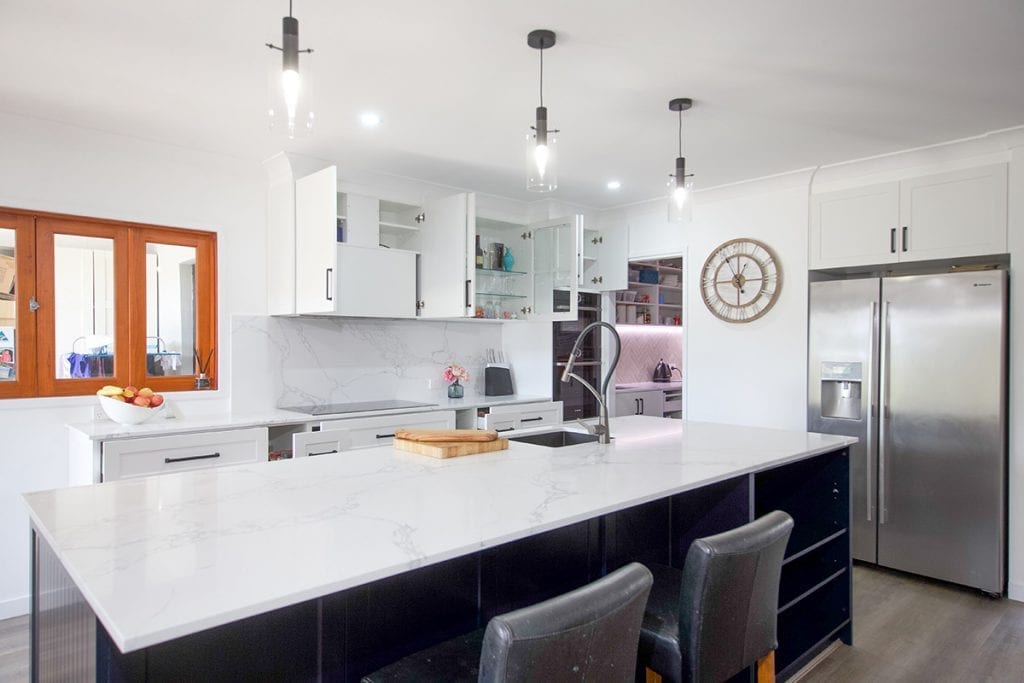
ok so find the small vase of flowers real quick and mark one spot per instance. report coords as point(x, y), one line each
point(454, 374)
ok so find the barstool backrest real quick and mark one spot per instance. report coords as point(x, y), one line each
point(730, 597)
point(590, 633)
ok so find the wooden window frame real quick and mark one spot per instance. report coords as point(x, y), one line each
point(24, 382)
point(206, 301)
point(35, 350)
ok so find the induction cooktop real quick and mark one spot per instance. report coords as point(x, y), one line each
point(360, 407)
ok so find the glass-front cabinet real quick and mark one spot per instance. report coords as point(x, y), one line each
point(524, 272)
point(364, 256)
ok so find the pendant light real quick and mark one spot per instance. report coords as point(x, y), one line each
point(680, 184)
point(541, 160)
point(290, 94)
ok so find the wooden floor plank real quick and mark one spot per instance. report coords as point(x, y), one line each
point(908, 629)
point(14, 650)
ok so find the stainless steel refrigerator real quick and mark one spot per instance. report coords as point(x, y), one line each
point(915, 366)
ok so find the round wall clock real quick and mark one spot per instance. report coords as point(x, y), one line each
point(741, 280)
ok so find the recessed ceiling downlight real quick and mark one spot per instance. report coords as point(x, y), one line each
point(613, 185)
point(369, 119)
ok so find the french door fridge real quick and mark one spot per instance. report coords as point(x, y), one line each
point(915, 367)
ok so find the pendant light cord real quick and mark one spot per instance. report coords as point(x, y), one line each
point(680, 132)
point(541, 76)
point(289, 8)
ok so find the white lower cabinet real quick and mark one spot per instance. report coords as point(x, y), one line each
point(364, 432)
point(640, 403)
point(129, 458)
point(505, 418)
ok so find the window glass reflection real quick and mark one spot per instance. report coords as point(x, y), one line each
point(84, 293)
point(170, 309)
point(8, 306)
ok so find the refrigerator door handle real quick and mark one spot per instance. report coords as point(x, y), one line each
point(883, 412)
point(870, 447)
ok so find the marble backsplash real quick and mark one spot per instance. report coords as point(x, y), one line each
point(300, 361)
point(643, 346)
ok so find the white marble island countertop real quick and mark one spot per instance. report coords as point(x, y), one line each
point(162, 557)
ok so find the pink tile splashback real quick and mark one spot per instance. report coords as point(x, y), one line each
point(643, 346)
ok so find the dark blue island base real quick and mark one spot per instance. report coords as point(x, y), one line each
point(343, 636)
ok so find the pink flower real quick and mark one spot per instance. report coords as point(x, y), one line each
point(455, 372)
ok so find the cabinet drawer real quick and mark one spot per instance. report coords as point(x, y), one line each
point(326, 442)
point(541, 415)
point(181, 452)
point(498, 422)
point(364, 432)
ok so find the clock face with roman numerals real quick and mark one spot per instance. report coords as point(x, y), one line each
point(741, 280)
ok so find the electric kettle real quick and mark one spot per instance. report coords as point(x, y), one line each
point(663, 371)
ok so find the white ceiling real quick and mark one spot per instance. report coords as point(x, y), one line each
point(778, 85)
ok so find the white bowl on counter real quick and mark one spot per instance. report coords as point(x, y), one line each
point(128, 413)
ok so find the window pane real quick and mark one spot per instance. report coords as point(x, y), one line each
point(170, 309)
point(8, 306)
point(84, 294)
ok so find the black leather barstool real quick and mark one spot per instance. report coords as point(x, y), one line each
point(717, 616)
point(590, 634)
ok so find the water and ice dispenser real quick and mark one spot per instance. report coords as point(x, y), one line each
point(840, 390)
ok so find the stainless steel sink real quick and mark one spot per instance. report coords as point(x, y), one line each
point(556, 439)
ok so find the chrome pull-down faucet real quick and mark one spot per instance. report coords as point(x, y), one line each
point(603, 431)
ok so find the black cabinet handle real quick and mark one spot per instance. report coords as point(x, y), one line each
point(507, 429)
point(531, 419)
point(384, 436)
point(637, 402)
point(323, 453)
point(892, 241)
point(643, 408)
point(192, 457)
point(327, 283)
point(904, 238)
point(468, 283)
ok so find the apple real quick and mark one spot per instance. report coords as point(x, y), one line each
point(143, 401)
point(145, 391)
point(155, 401)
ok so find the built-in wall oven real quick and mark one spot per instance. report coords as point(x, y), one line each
point(577, 402)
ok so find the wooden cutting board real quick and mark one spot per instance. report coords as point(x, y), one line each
point(451, 449)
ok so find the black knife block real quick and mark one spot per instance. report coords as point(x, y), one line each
point(498, 380)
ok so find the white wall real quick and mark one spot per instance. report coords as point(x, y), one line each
point(52, 167)
point(750, 373)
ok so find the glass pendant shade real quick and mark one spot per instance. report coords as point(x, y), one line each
point(289, 86)
point(680, 189)
point(541, 156)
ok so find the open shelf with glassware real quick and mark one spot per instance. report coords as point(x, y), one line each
point(654, 294)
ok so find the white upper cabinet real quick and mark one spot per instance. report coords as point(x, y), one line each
point(946, 215)
point(960, 213)
point(361, 256)
point(603, 259)
point(854, 227)
point(445, 280)
point(316, 206)
point(356, 277)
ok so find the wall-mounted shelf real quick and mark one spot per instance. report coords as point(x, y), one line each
point(664, 297)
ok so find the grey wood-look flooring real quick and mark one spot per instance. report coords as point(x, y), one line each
point(14, 650)
point(905, 629)
point(915, 630)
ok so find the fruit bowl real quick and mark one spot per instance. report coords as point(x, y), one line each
point(128, 413)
